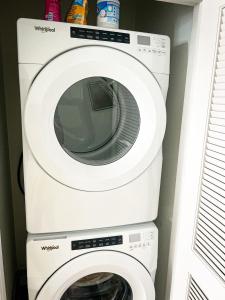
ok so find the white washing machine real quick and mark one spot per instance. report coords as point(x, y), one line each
point(113, 264)
point(94, 117)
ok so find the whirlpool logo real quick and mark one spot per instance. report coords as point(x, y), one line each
point(44, 29)
point(50, 248)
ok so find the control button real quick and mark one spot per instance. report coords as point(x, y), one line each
point(80, 35)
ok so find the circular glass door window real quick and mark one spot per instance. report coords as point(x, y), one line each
point(97, 121)
point(99, 286)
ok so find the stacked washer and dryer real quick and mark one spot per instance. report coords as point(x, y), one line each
point(93, 118)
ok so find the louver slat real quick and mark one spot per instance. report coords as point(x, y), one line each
point(210, 226)
point(215, 121)
point(194, 291)
point(217, 128)
point(215, 162)
point(217, 135)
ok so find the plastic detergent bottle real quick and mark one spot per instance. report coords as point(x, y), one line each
point(78, 12)
point(108, 13)
point(52, 10)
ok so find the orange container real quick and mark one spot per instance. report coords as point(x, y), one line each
point(78, 12)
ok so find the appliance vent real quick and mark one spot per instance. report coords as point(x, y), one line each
point(210, 227)
point(194, 292)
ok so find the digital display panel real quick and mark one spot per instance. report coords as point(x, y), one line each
point(144, 40)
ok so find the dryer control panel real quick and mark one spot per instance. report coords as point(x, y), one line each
point(99, 35)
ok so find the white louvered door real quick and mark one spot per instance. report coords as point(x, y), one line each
point(197, 256)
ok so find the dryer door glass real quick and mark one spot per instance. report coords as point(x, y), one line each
point(104, 286)
point(97, 121)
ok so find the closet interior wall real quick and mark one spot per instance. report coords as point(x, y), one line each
point(176, 22)
point(7, 245)
point(149, 16)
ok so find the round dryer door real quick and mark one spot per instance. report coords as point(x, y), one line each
point(106, 275)
point(94, 118)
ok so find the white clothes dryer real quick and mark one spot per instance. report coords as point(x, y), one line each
point(93, 118)
point(113, 264)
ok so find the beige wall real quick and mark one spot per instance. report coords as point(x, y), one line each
point(6, 215)
point(175, 21)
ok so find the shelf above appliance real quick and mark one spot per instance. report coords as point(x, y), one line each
point(184, 2)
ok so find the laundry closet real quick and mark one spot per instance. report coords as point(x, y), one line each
point(184, 25)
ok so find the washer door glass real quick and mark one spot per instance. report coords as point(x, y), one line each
point(104, 286)
point(97, 121)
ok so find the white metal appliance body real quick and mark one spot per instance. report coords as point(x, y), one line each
point(53, 267)
point(63, 193)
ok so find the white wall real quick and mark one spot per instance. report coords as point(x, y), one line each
point(175, 21)
point(6, 215)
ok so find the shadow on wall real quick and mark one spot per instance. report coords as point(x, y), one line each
point(179, 60)
point(6, 213)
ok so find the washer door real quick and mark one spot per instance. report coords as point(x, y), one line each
point(94, 118)
point(106, 275)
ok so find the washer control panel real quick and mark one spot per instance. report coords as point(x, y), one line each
point(96, 243)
